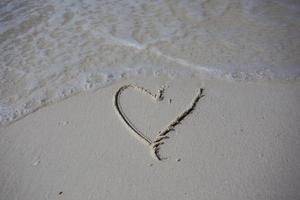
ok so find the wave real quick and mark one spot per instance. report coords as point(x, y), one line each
point(50, 50)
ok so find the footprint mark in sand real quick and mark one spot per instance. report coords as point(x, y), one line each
point(162, 134)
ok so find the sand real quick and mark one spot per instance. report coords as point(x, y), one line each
point(211, 111)
point(242, 141)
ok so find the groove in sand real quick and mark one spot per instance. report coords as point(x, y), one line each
point(162, 135)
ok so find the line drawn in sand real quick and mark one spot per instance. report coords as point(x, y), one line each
point(162, 134)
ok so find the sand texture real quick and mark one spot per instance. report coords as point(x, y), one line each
point(241, 141)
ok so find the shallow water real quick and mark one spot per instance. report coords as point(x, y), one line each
point(50, 49)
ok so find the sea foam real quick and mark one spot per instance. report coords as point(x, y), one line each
point(51, 50)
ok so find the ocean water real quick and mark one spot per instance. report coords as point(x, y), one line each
point(52, 49)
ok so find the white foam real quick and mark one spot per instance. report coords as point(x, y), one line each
point(50, 50)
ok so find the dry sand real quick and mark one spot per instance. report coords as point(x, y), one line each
point(242, 141)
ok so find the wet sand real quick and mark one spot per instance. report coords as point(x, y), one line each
point(241, 141)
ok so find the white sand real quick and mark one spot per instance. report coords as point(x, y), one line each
point(241, 142)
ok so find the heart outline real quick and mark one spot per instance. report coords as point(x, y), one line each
point(155, 145)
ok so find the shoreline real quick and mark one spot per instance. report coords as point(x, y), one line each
point(19, 114)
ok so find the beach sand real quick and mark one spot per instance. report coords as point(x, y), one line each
point(241, 141)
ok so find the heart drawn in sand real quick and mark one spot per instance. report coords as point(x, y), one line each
point(162, 134)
